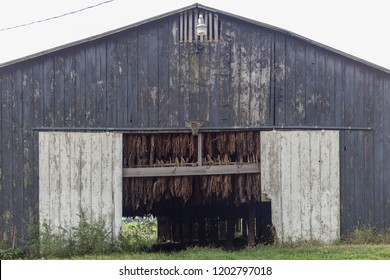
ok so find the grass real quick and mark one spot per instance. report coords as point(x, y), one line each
point(92, 241)
point(273, 252)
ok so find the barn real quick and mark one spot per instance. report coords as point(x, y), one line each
point(202, 118)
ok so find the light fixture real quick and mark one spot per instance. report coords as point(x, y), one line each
point(201, 28)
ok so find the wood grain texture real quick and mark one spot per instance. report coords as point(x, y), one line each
point(300, 174)
point(80, 172)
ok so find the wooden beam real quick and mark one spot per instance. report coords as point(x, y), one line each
point(192, 171)
point(230, 231)
point(200, 148)
point(251, 224)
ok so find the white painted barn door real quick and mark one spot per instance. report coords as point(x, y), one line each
point(300, 175)
point(80, 171)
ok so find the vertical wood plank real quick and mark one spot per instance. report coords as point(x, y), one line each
point(38, 120)
point(65, 179)
point(28, 148)
point(55, 203)
point(152, 76)
point(290, 72)
point(334, 183)
point(315, 193)
point(305, 190)
point(255, 80)
point(48, 92)
point(300, 112)
point(70, 90)
point(216, 28)
point(210, 27)
point(339, 74)
point(17, 160)
point(8, 100)
point(297, 188)
point(185, 19)
point(244, 94)
point(96, 174)
point(207, 79)
point(44, 179)
point(163, 74)
point(235, 74)
point(348, 191)
point(75, 178)
point(368, 113)
point(379, 136)
point(184, 84)
point(279, 82)
point(190, 27)
point(386, 155)
point(225, 103)
point(173, 69)
point(142, 76)
point(251, 224)
point(80, 84)
point(359, 147)
point(91, 81)
point(101, 84)
point(322, 96)
point(193, 85)
point(117, 182)
point(85, 172)
point(106, 159)
point(286, 187)
point(266, 104)
point(112, 82)
point(132, 80)
point(325, 186)
point(181, 26)
point(266, 151)
point(310, 80)
point(330, 89)
point(59, 91)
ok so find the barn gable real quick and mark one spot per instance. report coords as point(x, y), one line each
point(153, 77)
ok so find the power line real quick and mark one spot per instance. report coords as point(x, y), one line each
point(55, 17)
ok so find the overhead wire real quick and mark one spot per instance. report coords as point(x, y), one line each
point(56, 17)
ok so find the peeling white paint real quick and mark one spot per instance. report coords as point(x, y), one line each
point(80, 171)
point(300, 174)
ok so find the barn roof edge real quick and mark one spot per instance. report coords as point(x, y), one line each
point(195, 5)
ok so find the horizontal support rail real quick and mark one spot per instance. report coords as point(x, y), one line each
point(245, 168)
point(201, 129)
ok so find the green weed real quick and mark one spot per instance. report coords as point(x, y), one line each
point(367, 235)
point(138, 236)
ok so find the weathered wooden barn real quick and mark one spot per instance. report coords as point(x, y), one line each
point(247, 121)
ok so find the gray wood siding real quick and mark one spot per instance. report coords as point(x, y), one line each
point(143, 77)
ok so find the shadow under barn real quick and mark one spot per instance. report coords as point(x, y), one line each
point(204, 189)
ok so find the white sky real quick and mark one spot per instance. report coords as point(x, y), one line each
point(360, 28)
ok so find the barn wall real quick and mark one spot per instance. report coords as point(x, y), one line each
point(300, 174)
point(143, 77)
point(80, 173)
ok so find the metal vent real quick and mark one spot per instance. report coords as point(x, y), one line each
point(188, 22)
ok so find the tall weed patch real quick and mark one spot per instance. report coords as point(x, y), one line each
point(138, 235)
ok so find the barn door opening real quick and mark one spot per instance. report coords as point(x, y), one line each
point(200, 187)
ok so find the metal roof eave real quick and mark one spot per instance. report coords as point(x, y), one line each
point(196, 5)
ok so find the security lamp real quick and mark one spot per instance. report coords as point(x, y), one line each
point(201, 28)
